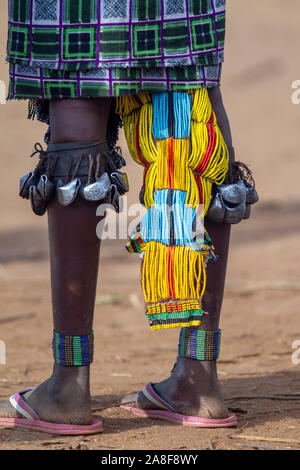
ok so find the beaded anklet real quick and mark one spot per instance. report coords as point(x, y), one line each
point(73, 350)
point(198, 344)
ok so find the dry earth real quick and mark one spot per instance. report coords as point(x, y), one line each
point(260, 318)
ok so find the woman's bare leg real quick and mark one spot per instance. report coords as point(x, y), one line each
point(74, 254)
point(193, 388)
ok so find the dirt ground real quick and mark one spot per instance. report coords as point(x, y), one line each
point(260, 317)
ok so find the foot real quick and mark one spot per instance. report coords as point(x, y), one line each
point(63, 399)
point(192, 389)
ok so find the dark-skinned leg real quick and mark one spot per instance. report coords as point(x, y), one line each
point(74, 254)
point(193, 387)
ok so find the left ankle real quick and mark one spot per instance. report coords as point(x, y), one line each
point(75, 377)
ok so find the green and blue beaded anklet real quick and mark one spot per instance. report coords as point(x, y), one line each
point(73, 350)
point(199, 344)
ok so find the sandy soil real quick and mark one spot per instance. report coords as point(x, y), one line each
point(260, 318)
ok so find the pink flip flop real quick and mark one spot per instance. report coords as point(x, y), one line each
point(32, 422)
point(168, 413)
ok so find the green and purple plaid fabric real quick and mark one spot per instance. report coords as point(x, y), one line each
point(94, 48)
point(78, 35)
point(38, 83)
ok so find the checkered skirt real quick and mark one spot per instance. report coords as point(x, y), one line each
point(74, 48)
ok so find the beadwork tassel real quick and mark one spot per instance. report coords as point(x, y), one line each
point(176, 138)
point(160, 127)
point(174, 272)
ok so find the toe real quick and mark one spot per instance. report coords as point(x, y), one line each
point(7, 410)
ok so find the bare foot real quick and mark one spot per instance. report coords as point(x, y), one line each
point(64, 398)
point(192, 389)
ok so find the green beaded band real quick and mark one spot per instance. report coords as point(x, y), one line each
point(73, 350)
point(198, 344)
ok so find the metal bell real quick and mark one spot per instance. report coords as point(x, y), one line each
point(216, 211)
point(116, 199)
point(59, 183)
point(38, 203)
point(251, 193)
point(45, 187)
point(120, 179)
point(234, 214)
point(233, 193)
point(67, 193)
point(30, 179)
point(142, 196)
point(98, 190)
point(247, 211)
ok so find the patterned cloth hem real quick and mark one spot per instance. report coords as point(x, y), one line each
point(78, 65)
point(36, 83)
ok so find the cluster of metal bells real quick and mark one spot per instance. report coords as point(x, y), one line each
point(232, 202)
point(40, 190)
